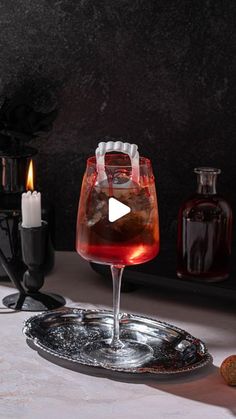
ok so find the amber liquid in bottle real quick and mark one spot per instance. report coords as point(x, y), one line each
point(204, 232)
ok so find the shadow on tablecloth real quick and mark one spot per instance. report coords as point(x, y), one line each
point(205, 385)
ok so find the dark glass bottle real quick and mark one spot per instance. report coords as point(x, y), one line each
point(204, 231)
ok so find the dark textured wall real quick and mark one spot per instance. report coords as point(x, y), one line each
point(156, 72)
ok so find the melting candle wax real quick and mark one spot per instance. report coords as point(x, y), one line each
point(31, 209)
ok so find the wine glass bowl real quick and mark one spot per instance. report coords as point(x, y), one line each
point(131, 239)
point(117, 225)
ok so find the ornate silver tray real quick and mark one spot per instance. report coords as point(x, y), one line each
point(62, 333)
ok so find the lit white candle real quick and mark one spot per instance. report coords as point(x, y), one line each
point(31, 209)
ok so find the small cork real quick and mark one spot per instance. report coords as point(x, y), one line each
point(228, 370)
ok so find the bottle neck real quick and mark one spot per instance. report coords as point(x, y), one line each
point(206, 183)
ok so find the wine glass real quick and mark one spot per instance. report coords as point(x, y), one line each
point(117, 225)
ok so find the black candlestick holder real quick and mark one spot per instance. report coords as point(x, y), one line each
point(14, 168)
point(14, 165)
point(37, 253)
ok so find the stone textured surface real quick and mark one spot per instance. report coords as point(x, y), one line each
point(33, 386)
point(157, 73)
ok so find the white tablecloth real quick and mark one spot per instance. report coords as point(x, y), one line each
point(32, 387)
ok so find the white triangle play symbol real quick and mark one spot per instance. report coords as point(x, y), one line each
point(116, 209)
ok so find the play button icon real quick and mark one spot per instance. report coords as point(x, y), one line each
point(116, 210)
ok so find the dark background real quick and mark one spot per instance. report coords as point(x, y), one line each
point(155, 72)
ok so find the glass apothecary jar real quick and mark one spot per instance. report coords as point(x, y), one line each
point(204, 231)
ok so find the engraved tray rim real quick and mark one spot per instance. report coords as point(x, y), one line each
point(28, 328)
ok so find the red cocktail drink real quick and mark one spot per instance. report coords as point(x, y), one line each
point(132, 238)
point(117, 225)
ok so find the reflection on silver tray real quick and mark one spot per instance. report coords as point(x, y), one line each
point(62, 333)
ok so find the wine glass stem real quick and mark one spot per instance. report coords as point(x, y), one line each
point(116, 272)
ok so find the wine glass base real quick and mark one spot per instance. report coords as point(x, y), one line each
point(131, 354)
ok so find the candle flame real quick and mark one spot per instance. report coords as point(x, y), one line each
point(30, 177)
